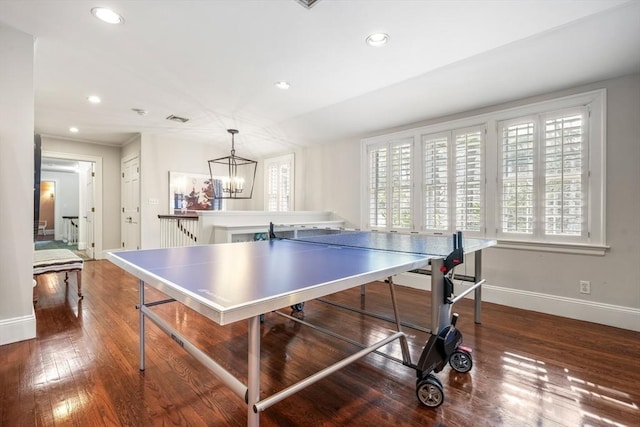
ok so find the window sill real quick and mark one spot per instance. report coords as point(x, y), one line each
point(565, 248)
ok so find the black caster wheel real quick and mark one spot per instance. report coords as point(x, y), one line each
point(429, 375)
point(430, 392)
point(298, 307)
point(461, 361)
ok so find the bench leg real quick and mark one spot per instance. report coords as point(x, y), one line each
point(79, 280)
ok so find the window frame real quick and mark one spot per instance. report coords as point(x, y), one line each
point(538, 123)
point(593, 242)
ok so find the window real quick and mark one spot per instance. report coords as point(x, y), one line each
point(378, 187)
point(469, 180)
point(516, 161)
point(278, 181)
point(564, 171)
point(436, 182)
point(453, 176)
point(543, 175)
point(530, 176)
point(390, 185)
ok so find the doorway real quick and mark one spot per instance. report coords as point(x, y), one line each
point(46, 223)
point(78, 218)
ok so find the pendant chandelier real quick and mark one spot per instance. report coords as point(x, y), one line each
point(232, 176)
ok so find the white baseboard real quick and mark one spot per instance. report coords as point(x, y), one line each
point(17, 329)
point(589, 311)
point(572, 308)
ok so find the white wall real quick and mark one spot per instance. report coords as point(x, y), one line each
point(329, 176)
point(67, 197)
point(540, 281)
point(17, 318)
point(160, 154)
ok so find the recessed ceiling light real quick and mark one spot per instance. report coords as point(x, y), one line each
point(74, 129)
point(107, 15)
point(377, 39)
point(282, 85)
point(93, 99)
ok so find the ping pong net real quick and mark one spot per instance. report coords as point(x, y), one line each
point(431, 246)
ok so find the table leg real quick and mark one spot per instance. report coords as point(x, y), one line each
point(478, 291)
point(436, 294)
point(440, 311)
point(140, 304)
point(404, 345)
point(253, 392)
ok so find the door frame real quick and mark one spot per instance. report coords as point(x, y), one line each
point(97, 193)
point(84, 204)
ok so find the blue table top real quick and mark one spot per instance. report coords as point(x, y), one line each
point(235, 281)
point(230, 282)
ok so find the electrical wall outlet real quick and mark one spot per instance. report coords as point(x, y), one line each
point(585, 287)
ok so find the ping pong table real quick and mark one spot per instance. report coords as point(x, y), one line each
point(232, 282)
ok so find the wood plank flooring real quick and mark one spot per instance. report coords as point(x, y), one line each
point(530, 369)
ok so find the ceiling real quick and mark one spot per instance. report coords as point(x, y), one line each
point(216, 62)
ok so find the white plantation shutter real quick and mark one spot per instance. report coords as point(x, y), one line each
point(401, 185)
point(543, 175)
point(453, 173)
point(436, 181)
point(532, 176)
point(279, 184)
point(391, 185)
point(469, 179)
point(284, 187)
point(565, 173)
point(516, 168)
point(378, 166)
point(272, 185)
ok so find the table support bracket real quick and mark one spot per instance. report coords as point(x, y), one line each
point(227, 378)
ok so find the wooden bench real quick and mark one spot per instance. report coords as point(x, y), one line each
point(57, 261)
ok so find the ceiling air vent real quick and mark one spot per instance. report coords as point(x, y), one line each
point(177, 119)
point(307, 3)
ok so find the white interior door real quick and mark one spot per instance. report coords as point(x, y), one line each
point(131, 203)
point(90, 210)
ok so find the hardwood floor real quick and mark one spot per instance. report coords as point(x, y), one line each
point(530, 369)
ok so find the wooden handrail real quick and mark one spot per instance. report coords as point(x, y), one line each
point(186, 215)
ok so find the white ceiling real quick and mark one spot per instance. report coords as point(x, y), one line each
point(215, 63)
